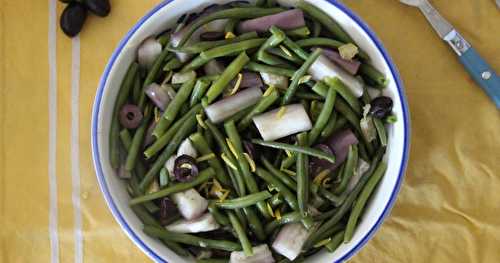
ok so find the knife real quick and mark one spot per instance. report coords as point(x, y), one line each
point(483, 74)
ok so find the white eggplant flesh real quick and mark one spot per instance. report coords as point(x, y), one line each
point(278, 81)
point(148, 51)
point(187, 148)
point(374, 92)
point(190, 203)
point(204, 223)
point(225, 108)
point(261, 254)
point(273, 125)
point(179, 78)
point(290, 240)
point(169, 165)
point(323, 68)
point(362, 168)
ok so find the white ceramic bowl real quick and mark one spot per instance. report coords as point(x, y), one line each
point(165, 16)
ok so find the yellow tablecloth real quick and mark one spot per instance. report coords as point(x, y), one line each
point(448, 207)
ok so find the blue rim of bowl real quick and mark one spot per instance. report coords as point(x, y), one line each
point(95, 117)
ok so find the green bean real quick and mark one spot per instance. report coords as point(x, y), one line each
point(336, 200)
point(201, 46)
point(287, 98)
point(286, 179)
point(114, 140)
point(327, 233)
point(163, 39)
point(325, 215)
point(126, 139)
point(382, 134)
point(342, 107)
point(231, 26)
point(316, 28)
point(137, 89)
point(282, 54)
point(335, 242)
point(315, 109)
point(271, 3)
point(231, 49)
point(167, 136)
point(341, 122)
point(254, 223)
point(256, 67)
point(370, 72)
point(245, 201)
point(153, 73)
point(300, 32)
point(238, 13)
point(287, 194)
point(260, 2)
point(199, 90)
point(202, 147)
point(136, 191)
point(319, 41)
point(147, 219)
point(349, 114)
point(218, 216)
point(243, 164)
point(363, 199)
point(240, 114)
point(137, 140)
point(302, 176)
point(296, 49)
point(329, 127)
point(344, 91)
point(241, 216)
point(346, 206)
point(219, 138)
point(172, 146)
point(191, 239)
point(323, 117)
point(350, 166)
point(204, 176)
point(264, 103)
point(274, 40)
point(366, 98)
point(327, 22)
point(299, 149)
point(210, 78)
point(307, 222)
point(308, 96)
point(194, 64)
point(276, 200)
point(391, 119)
point(292, 217)
point(172, 64)
point(320, 88)
point(173, 108)
point(229, 74)
point(242, 235)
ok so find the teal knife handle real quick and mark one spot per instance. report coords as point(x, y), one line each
point(482, 73)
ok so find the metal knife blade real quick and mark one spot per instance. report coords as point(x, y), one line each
point(441, 25)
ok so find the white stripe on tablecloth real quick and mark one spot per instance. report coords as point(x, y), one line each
point(75, 147)
point(54, 239)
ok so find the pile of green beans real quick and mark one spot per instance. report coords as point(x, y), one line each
point(253, 187)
